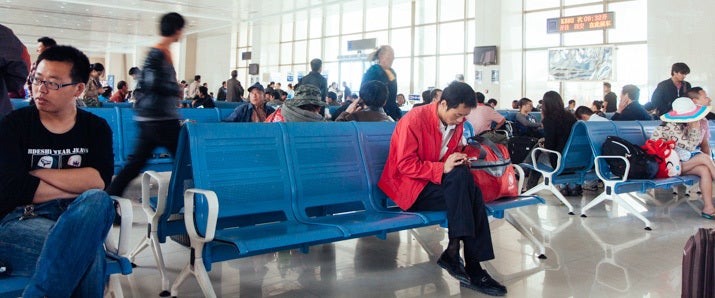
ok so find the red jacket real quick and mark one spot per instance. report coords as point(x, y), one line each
point(414, 155)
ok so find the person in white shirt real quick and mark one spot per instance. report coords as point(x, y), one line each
point(586, 114)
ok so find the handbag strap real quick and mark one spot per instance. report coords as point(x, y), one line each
point(479, 142)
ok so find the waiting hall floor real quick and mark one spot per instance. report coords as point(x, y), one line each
point(608, 254)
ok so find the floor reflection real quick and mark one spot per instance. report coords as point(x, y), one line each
point(604, 255)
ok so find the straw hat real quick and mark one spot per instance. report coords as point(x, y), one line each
point(685, 110)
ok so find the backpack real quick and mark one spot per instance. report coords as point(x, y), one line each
point(491, 168)
point(643, 165)
point(520, 147)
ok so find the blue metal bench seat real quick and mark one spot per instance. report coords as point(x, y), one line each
point(621, 189)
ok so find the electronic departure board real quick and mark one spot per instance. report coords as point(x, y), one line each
point(596, 21)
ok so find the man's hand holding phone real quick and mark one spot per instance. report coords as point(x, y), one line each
point(454, 160)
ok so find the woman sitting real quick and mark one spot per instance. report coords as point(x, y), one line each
point(687, 126)
point(557, 123)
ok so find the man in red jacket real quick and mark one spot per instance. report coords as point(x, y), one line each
point(425, 170)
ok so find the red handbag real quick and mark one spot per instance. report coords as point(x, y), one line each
point(491, 169)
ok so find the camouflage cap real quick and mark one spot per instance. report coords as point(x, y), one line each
point(306, 95)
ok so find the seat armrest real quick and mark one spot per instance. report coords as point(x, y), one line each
point(606, 157)
point(125, 228)
point(535, 162)
point(162, 179)
point(519, 171)
point(190, 214)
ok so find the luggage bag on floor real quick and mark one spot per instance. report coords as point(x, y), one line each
point(699, 265)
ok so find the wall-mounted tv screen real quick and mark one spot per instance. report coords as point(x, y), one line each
point(253, 69)
point(245, 55)
point(485, 55)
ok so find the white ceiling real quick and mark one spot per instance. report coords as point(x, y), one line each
point(120, 25)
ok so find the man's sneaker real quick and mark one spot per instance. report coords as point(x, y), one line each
point(455, 268)
point(484, 283)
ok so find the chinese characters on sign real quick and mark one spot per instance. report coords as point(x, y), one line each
point(596, 21)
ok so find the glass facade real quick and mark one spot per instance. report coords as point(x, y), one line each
point(434, 40)
point(421, 33)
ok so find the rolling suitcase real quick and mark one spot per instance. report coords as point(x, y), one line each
point(699, 265)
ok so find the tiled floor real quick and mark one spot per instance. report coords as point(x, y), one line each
point(608, 254)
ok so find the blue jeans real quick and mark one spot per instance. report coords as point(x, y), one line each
point(61, 247)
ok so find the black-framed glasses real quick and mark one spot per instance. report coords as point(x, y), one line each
point(50, 85)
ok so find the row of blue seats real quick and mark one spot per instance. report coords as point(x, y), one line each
point(510, 115)
point(246, 189)
point(18, 103)
point(581, 160)
point(125, 132)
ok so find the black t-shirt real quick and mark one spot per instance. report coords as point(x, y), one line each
point(610, 98)
point(26, 145)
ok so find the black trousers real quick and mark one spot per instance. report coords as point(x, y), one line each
point(152, 134)
point(466, 214)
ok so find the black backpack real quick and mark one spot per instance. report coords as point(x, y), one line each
point(643, 165)
point(520, 147)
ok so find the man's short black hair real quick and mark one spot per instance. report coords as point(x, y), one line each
point(607, 84)
point(204, 90)
point(433, 94)
point(679, 67)
point(47, 42)
point(426, 96)
point(134, 70)
point(582, 110)
point(170, 23)
point(374, 94)
point(459, 93)
point(197, 77)
point(480, 97)
point(121, 84)
point(80, 62)
point(332, 95)
point(523, 102)
point(572, 101)
point(492, 101)
point(632, 91)
point(316, 64)
point(183, 82)
point(96, 66)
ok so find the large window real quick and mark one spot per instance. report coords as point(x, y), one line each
point(433, 40)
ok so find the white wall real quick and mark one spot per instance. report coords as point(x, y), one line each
point(212, 58)
point(510, 51)
point(681, 31)
point(488, 24)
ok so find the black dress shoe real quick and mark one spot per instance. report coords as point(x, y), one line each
point(484, 283)
point(454, 267)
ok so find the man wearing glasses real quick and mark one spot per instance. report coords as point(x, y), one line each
point(55, 161)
